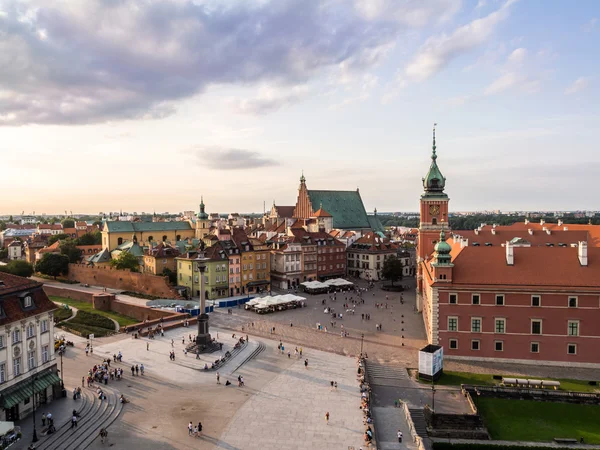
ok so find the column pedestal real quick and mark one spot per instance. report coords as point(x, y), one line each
point(203, 337)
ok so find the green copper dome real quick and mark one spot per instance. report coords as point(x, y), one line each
point(202, 215)
point(434, 182)
point(442, 250)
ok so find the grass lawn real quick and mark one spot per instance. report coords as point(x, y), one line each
point(458, 378)
point(529, 420)
point(87, 307)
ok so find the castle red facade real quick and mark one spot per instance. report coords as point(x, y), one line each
point(526, 293)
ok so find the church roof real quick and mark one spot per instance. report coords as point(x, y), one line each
point(132, 227)
point(434, 182)
point(322, 213)
point(285, 211)
point(346, 207)
point(376, 224)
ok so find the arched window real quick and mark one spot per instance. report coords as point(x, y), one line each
point(119, 241)
point(164, 238)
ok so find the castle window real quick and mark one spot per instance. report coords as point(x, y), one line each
point(453, 299)
point(572, 302)
point(453, 344)
point(433, 221)
point(119, 241)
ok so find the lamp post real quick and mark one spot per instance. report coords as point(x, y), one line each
point(33, 378)
point(62, 381)
point(432, 396)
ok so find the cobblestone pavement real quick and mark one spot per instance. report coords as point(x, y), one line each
point(289, 412)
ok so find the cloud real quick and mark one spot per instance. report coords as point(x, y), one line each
point(105, 60)
point(578, 85)
point(589, 27)
point(220, 158)
point(518, 56)
point(437, 52)
point(362, 92)
point(513, 80)
point(270, 99)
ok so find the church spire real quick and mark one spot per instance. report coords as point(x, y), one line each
point(434, 182)
point(302, 179)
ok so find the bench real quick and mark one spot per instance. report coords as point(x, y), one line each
point(565, 440)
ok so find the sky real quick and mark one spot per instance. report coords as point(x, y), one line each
point(141, 105)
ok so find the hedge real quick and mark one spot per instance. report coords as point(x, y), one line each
point(85, 330)
point(62, 314)
point(93, 320)
point(457, 446)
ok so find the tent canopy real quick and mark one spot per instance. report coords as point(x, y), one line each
point(5, 427)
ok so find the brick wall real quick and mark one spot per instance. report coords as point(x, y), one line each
point(121, 279)
point(138, 312)
point(66, 292)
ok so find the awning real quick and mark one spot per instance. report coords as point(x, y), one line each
point(23, 390)
point(258, 283)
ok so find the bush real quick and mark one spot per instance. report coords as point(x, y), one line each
point(138, 295)
point(93, 320)
point(62, 314)
point(85, 330)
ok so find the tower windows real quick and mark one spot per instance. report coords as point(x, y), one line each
point(433, 221)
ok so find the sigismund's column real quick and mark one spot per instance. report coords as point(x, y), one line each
point(203, 338)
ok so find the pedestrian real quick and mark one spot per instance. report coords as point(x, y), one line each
point(190, 428)
point(82, 381)
point(327, 417)
point(300, 351)
point(147, 346)
point(199, 428)
point(335, 385)
point(74, 422)
point(331, 385)
point(43, 419)
point(172, 343)
point(218, 378)
point(132, 370)
point(399, 436)
point(103, 435)
point(305, 363)
point(137, 369)
point(142, 369)
point(289, 354)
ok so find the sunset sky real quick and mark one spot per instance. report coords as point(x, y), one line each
point(147, 105)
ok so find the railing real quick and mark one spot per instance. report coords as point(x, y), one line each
point(411, 426)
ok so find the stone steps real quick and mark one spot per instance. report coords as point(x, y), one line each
point(380, 375)
point(257, 351)
point(419, 422)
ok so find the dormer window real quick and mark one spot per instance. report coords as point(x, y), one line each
point(27, 301)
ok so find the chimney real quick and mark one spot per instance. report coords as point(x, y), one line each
point(565, 228)
point(582, 253)
point(542, 221)
point(510, 256)
point(464, 243)
point(493, 230)
point(548, 231)
point(530, 231)
point(560, 222)
point(526, 221)
point(477, 231)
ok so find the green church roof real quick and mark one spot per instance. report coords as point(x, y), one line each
point(376, 224)
point(346, 207)
point(142, 227)
point(434, 182)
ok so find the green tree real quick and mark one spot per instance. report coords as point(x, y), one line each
point(2, 225)
point(392, 269)
point(20, 268)
point(172, 276)
point(53, 264)
point(54, 220)
point(125, 261)
point(94, 238)
point(68, 247)
point(10, 219)
point(68, 223)
point(3, 253)
point(57, 237)
point(98, 223)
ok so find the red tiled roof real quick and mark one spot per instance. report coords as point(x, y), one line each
point(70, 230)
point(533, 266)
point(538, 238)
point(44, 226)
point(593, 231)
point(54, 248)
point(11, 288)
point(375, 242)
point(322, 213)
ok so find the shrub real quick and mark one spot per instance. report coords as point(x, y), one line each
point(62, 314)
point(85, 330)
point(93, 320)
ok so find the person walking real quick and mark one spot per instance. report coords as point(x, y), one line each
point(199, 428)
point(82, 381)
point(137, 369)
point(306, 363)
point(74, 422)
point(218, 378)
point(147, 346)
point(142, 369)
point(103, 435)
point(190, 428)
point(327, 417)
point(132, 371)
point(43, 419)
point(399, 436)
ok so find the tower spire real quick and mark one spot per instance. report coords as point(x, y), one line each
point(302, 179)
point(433, 147)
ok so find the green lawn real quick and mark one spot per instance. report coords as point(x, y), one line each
point(458, 378)
point(529, 420)
point(87, 307)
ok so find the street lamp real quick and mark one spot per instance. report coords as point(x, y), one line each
point(62, 381)
point(432, 396)
point(33, 378)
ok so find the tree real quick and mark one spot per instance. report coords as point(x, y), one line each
point(20, 268)
point(3, 253)
point(94, 238)
point(172, 276)
point(98, 223)
point(53, 264)
point(54, 220)
point(2, 225)
point(10, 219)
point(68, 247)
point(392, 269)
point(68, 223)
point(125, 261)
point(57, 237)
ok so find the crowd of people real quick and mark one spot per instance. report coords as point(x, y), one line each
point(365, 394)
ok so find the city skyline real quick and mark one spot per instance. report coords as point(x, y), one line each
point(151, 107)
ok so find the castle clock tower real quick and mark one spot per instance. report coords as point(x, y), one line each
point(433, 213)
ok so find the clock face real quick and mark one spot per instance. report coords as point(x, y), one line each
point(434, 210)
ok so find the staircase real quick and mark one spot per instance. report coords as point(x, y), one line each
point(418, 418)
point(94, 415)
point(380, 375)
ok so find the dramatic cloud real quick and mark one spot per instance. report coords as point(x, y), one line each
point(219, 158)
point(578, 85)
point(438, 51)
point(102, 60)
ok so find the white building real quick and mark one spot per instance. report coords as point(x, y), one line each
point(26, 347)
point(15, 250)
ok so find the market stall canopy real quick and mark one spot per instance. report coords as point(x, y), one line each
point(5, 427)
